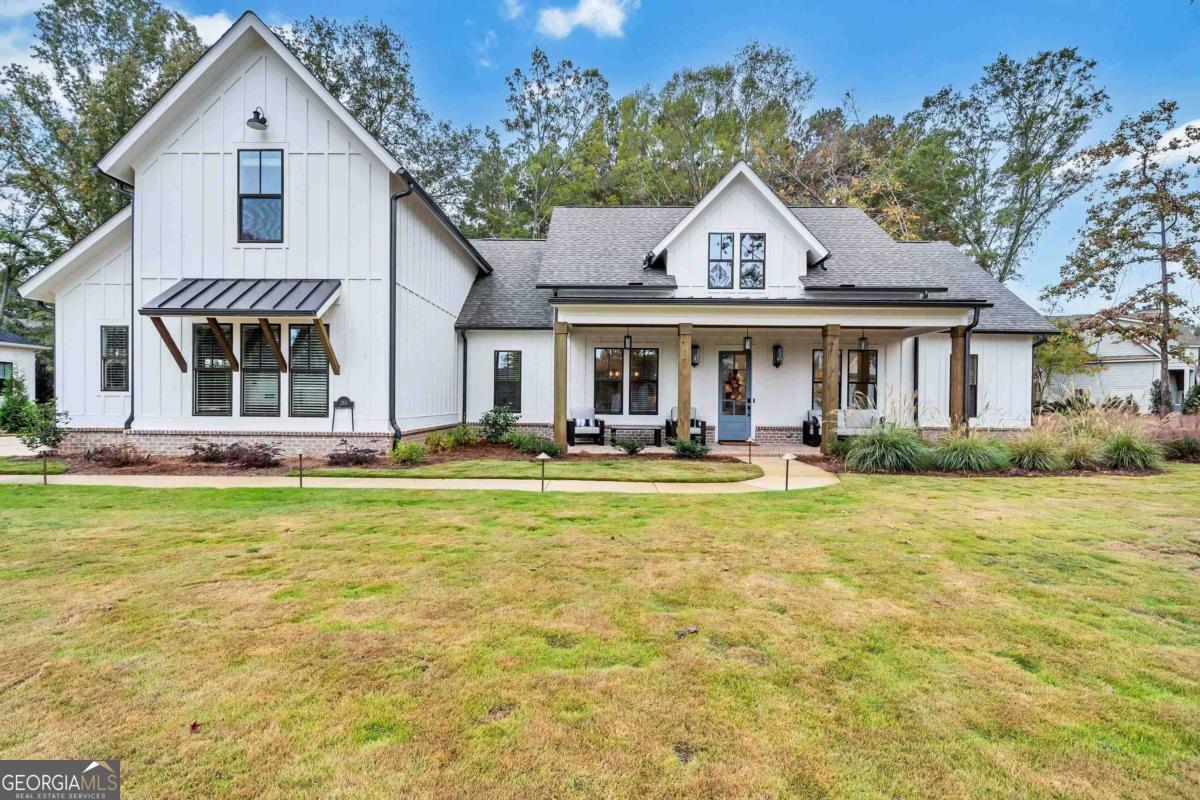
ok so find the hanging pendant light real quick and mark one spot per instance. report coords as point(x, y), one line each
point(862, 341)
point(257, 121)
point(747, 342)
point(628, 340)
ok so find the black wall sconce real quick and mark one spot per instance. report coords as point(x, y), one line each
point(257, 121)
point(695, 355)
point(776, 355)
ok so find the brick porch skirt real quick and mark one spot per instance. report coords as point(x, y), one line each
point(179, 443)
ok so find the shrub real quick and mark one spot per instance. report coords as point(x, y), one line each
point(1191, 400)
point(497, 423)
point(1081, 452)
point(43, 427)
point(408, 453)
point(251, 456)
point(462, 436)
point(1185, 448)
point(437, 442)
point(969, 454)
point(840, 447)
point(208, 453)
point(15, 406)
point(630, 447)
point(531, 444)
point(347, 455)
point(1037, 450)
point(1125, 405)
point(1156, 395)
point(1131, 450)
point(686, 448)
point(117, 455)
point(886, 448)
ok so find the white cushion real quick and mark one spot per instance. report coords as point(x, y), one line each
point(587, 429)
point(696, 430)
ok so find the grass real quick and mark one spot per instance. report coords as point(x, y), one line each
point(898, 637)
point(14, 466)
point(617, 469)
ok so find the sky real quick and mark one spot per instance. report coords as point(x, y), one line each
point(889, 54)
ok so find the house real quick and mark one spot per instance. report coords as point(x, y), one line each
point(278, 276)
point(1127, 367)
point(18, 358)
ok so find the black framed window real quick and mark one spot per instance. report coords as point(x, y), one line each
point(818, 377)
point(114, 358)
point(260, 373)
point(862, 378)
point(720, 261)
point(973, 387)
point(260, 195)
point(506, 380)
point(643, 380)
point(609, 380)
point(752, 266)
point(212, 381)
point(308, 371)
point(6, 376)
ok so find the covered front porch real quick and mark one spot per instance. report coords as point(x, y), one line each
point(754, 382)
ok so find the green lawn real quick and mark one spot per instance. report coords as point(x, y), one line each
point(15, 466)
point(888, 637)
point(617, 469)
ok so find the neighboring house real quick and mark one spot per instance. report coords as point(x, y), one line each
point(276, 259)
point(18, 356)
point(1127, 367)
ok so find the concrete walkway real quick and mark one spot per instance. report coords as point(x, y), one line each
point(803, 476)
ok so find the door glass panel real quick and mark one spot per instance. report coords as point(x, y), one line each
point(733, 384)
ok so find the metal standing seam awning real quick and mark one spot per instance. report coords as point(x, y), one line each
point(259, 298)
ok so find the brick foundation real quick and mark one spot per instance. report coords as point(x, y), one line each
point(179, 443)
point(778, 434)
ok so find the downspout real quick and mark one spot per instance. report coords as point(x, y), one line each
point(1038, 341)
point(463, 335)
point(967, 367)
point(917, 382)
point(127, 190)
point(393, 205)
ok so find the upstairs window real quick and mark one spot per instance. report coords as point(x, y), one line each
point(260, 195)
point(506, 380)
point(752, 271)
point(114, 358)
point(862, 378)
point(720, 261)
point(308, 366)
point(609, 380)
point(212, 385)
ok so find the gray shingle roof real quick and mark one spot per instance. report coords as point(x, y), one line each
point(507, 298)
point(606, 247)
point(12, 338)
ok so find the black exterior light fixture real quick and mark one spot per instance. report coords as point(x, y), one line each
point(776, 355)
point(695, 355)
point(747, 342)
point(628, 340)
point(862, 342)
point(257, 121)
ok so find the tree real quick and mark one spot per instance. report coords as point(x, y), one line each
point(106, 62)
point(1014, 136)
point(1064, 354)
point(1145, 216)
point(366, 67)
point(551, 109)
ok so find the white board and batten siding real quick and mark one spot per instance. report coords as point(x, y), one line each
point(740, 208)
point(537, 372)
point(1005, 375)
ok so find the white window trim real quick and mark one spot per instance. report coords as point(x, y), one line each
point(737, 290)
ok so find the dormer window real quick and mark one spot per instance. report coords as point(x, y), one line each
point(720, 261)
point(260, 196)
point(752, 271)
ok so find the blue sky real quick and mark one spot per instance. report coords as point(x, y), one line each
point(889, 54)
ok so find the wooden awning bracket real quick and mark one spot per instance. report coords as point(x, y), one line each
point(276, 348)
point(324, 334)
point(224, 344)
point(172, 348)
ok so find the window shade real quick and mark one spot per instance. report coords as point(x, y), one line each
point(506, 389)
point(260, 373)
point(309, 371)
point(114, 358)
point(212, 382)
point(609, 380)
point(643, 381)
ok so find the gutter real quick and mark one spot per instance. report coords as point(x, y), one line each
point(462, 334)
point(393, 304)
point(127, 190)
point(967, 366)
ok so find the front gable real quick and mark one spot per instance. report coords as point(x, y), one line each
point(740, 240)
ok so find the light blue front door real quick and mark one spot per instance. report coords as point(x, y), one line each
point(734, 395)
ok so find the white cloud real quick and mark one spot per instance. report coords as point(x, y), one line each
point(210, 26)
point(511, 9)
point(14, 9)
point(605, 18)
point(483, 50)
point(1187, 150)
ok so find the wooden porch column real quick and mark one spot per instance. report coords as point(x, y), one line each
point(831, 385)
point(958, 387)
point(560, 384)
point(684, 396)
